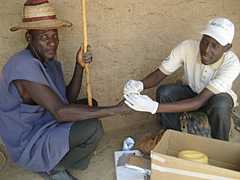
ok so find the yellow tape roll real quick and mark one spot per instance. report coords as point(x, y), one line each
point(195, 156)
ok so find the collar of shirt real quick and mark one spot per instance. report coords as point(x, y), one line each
point(214, 66)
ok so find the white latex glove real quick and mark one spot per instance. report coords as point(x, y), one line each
point(133, 87)
point(141, 103)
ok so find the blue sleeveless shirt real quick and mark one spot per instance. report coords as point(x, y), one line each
point(33, 138)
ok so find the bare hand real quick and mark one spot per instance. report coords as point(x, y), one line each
point(121, 103)
point(84, 58)
point(123, 106)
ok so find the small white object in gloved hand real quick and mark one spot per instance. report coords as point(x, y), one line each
point(128, 144)
point(141, 103)
point(133, 87)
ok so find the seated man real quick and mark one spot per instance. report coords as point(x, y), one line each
point(43, 128)
point(209, 71)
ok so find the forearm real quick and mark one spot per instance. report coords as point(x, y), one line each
point(180, 106)
point(63, 112)
point(73, 89)
point(186, 105)
point(153, 79)
point(77, 112)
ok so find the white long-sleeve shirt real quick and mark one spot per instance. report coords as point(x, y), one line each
point(217, 77)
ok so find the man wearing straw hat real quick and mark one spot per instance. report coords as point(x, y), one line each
point(42, 126)
point(210, 68)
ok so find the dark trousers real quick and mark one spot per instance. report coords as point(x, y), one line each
point(83, 139)
point(218, 109)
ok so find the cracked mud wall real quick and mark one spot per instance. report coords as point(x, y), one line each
point(128, 38)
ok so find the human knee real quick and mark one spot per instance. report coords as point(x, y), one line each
point(97, 128)
point(100, 130)
point(221, 103)
point(163, 91)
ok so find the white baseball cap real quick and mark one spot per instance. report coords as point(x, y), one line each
point(221, 29)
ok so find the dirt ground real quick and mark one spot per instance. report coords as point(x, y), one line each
point(101, 166)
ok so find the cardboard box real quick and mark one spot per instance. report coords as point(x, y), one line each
point(224, 158)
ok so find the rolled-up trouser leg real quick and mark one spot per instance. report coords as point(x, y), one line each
point(84, 137)
point(219, 109)
point(172, 93)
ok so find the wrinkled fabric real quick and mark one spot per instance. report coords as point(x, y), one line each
point(33, 138)
point(217, 77)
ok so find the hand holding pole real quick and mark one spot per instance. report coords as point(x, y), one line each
point(85, 44)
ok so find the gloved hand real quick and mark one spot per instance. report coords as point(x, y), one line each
point(133, 87)
point(141, 103)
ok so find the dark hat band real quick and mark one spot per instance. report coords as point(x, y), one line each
point(33, 19)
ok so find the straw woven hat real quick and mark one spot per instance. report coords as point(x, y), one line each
point(39, 14)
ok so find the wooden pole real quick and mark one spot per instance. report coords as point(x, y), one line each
point(85, 44)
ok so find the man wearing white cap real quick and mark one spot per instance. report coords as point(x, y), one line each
point(209, 71)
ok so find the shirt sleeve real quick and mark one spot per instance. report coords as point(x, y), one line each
point(29, 70)
point(225, 76)
point(174, 60)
